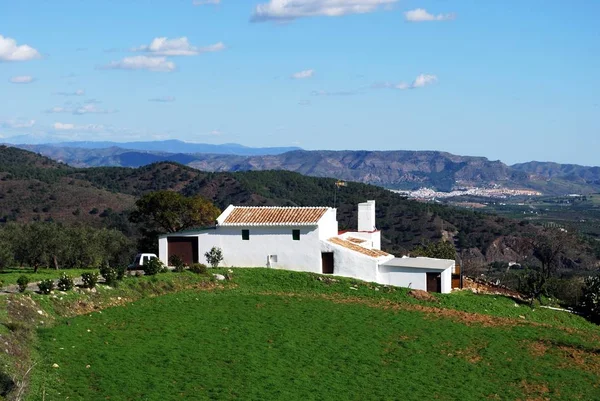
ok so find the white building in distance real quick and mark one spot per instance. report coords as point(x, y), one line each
point(307, 239)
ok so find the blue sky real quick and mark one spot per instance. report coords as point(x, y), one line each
point(508, 80)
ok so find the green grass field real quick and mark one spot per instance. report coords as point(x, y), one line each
point(277, 335)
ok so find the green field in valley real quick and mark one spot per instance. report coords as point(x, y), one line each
point(277, 335)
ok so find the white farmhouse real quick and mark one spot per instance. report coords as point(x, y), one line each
point(307, 239)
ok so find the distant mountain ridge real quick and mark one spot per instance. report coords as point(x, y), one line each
point(392, 169)
point(169, 146)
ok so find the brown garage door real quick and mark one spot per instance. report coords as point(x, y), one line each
point(184, 247)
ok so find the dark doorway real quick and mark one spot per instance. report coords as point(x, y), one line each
point(184, 247)
point(434, 282)
point(327, 262)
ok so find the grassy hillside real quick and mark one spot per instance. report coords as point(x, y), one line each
point(271, 334)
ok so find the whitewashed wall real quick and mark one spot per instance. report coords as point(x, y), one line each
point(412, 277)
point(328, 225)
point(447, 281)
point(302, 255)
point(348, 263)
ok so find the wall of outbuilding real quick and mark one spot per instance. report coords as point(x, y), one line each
point(348, 263)
point(412, 277)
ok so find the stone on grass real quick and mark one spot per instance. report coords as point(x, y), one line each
point(219, 277)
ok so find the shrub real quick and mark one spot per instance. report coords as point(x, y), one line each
point(89, 279)
point(153, 266)
point(65, 282)
point(121, 271)
point(110, 275)
point(177, 263)
point(46, 286)
point(22, 282)
point(198, 268)
point(214, 256)
point(590, 300)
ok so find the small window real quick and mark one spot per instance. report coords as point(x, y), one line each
point(296, 235)
point(245, 235)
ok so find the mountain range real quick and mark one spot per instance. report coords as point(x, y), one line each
point(391, 169)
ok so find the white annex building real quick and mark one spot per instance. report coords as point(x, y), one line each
point(307, 239)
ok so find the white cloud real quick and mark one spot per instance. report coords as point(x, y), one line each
point(10, 51)
point(162, 99)
point(78, 92)
point(17, 124)
point(337, 93)
point(90, 108)
point(419, 82)
point(22, 79)
point(63, 126)
point(205, 2)
point(58, 109)
point(157, 64)
point(423, 80)
point(421, 15)
point(303, 74)
point(58, 126)
point(86, 108)
point(282, 10)
point(177, 47)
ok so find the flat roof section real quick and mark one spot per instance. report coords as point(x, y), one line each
point(421, 263)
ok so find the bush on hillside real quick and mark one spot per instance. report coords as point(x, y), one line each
point(198, 268)
point(590, 300)
point(89, 280)
point(153, 266)
point(214, 256)
point(46, 286)
point(121, 271)
point(22, 282)
point(177, 262)
point(111, 275)
point(65, 282)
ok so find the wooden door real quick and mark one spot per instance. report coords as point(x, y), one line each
point(327, 262)
point(434, 282)
point(184, 247)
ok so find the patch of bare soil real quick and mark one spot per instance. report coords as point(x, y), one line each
point(586, 360)
point(421, 295)
point(483, 287)
point(534, 391)
point(470, 354)
point(436, 312)
point(538, 348)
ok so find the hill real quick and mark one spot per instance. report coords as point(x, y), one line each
point(35, 188)
point(50, 190)
point(273, 334)
point(391, 169)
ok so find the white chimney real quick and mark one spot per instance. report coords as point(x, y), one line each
point(366, 216)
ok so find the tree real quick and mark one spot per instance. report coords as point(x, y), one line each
point(170, 212)
point(590, 300)
point(549, 247)
point(439, 250)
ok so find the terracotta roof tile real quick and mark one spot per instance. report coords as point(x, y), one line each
point(266, 215)
point(374, 253)
point(356, 240)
